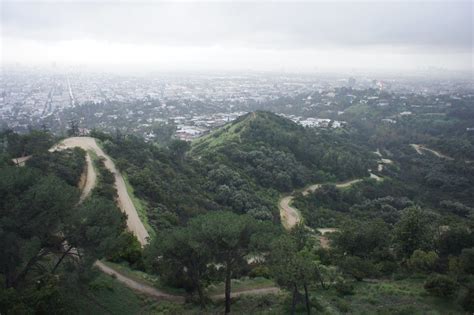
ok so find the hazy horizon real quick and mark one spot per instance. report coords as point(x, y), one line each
point(304, 37)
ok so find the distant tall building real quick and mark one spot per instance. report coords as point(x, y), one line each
point(351, 82)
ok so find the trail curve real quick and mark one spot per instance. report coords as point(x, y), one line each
point(290, 216)
point(124, 201)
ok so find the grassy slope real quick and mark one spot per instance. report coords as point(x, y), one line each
point(242, 284)
point(111, 297)
point(387, 297)
point(225, 134)
point(141, 207)
point(143, 277)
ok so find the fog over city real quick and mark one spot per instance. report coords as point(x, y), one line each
point(244, 36)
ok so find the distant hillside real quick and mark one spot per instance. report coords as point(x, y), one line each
point(248, 129)
point(281, 154)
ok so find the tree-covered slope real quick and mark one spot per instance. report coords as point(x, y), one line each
point(280, 154)
point(241, 167)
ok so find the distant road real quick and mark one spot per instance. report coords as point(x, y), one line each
point(419, 147)
point(125, 203)
point(290, 216)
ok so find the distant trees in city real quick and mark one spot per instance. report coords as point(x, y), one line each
point(164, 132)
point(73, 129)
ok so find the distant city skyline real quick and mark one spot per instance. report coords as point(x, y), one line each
point(257, 36)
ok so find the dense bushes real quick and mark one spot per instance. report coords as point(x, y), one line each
point(422, 261)
point(328, 206)
point(66, 164)
point(43, 230)
point(441, 285)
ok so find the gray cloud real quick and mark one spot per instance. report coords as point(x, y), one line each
point(437, 26)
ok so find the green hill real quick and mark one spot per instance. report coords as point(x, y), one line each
point(281, 154)
point(244, 128)
point(242, 167)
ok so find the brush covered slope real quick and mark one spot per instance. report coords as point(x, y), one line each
point(241, 167)
point(278, 153)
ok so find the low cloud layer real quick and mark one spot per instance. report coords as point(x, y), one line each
point(420, 32)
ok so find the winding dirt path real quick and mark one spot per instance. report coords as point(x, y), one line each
point(290, 216)
point(419, 147)
point(90, 179)
point(133, 221)
point(138, 286)
point(125, 203)
point(160, 295)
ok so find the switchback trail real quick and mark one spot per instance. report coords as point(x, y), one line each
point(160, 295)
point(125, 203)
point(134, 223)
point(290, 216)
point(138, 286)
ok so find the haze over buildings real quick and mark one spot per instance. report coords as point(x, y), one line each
point(257, 36)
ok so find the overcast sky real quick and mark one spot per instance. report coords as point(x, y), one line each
point(275, 36)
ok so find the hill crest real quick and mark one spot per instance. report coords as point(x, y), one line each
point(251, 127)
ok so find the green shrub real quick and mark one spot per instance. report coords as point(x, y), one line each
point(441, 285)
point(387, 267)
point(126, 248)
point(344, 288)
point(467, 260)
point(358, 268)
point(467, 301)
point(260, 271)
point(342, 305)
point(422, 261)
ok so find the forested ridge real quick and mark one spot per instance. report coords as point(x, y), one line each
point(402, 243)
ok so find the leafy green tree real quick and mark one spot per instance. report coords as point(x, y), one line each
point(229, 238)
point(38, 142)
point(292, 268)
point(181, 258)
point(357, 267)
point(126, 248)
point(364, 239)
point(46, 237)
point(441, 285)
point(413, 231)
point(66, 164)
point(178, 149)
point(422, 261)
point(467, 260)
point(33, 209)
point(95, 227)
point(467, 300)
point(454, 240)
point(164, 132)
